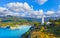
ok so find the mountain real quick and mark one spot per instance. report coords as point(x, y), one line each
point(28, 18)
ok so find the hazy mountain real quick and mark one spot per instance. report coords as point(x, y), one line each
point(29, 18)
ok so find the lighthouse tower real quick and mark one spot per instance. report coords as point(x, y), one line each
point(42, 16)
point(42, 20)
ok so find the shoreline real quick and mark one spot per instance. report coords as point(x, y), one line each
point(14, 27)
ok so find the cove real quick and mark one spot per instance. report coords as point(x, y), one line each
point(7, 33)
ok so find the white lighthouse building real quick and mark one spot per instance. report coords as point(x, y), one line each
point(42, 20)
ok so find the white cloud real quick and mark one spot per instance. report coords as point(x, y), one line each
point(18, 7)
point(58, 11)
point(36, 14)
point(23, 15)
point(4, 11)
point(26, 6)
point(41, 2)
point(50, 12)
point(23, 10)
point(41, 12)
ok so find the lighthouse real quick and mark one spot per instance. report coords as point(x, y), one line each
point(42, 20)
point(42, 16)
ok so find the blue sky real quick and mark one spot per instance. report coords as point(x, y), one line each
point(49, 5)
point(42, 6)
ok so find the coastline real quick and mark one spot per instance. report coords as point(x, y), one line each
point(14, 27)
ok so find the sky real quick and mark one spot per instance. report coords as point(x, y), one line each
point(30, 8)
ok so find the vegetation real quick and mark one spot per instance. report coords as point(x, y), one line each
point(51, 30)
point(13, 21)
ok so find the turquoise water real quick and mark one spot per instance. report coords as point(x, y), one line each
point(7, 33)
